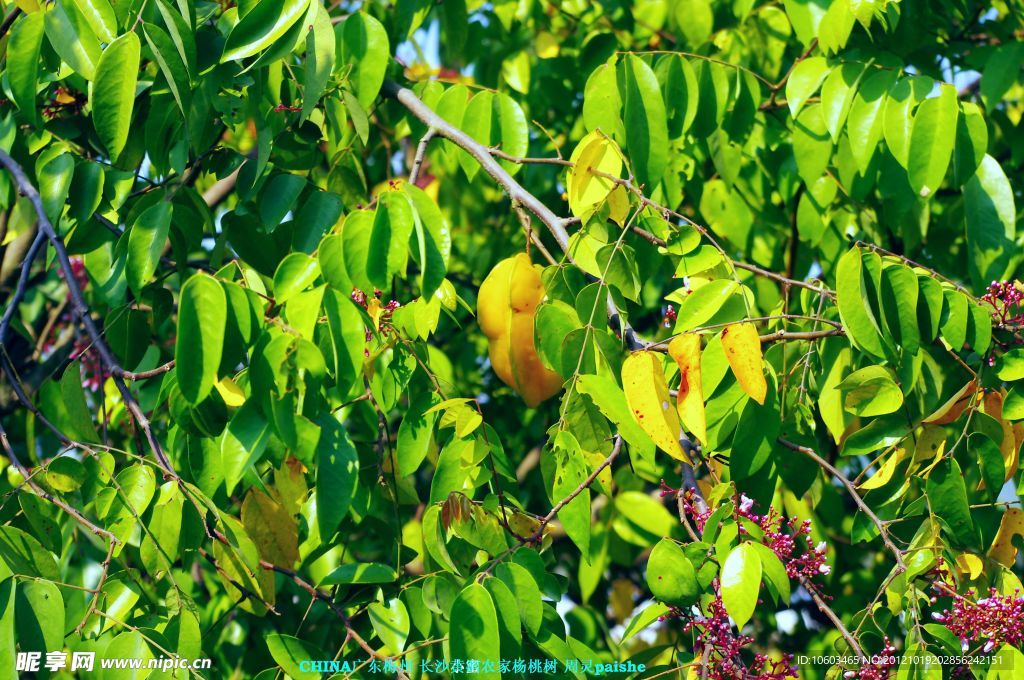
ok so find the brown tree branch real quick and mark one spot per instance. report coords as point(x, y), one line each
point(852, 490)
point(81, 310)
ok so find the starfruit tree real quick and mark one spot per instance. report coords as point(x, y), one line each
point(668, 338)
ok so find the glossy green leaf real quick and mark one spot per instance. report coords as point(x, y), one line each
point(202, 314)
point(289, 652)
point(363, 51)
point(645, 121)
point(990, 215)
point(947, 497)
point(476, 636)
point(804, 81)
point(74, 40)
point(871, 391)
point(261, 27)
point(146, 241)
point(931, 141)
point(671, 576)
point(113, 92)
point(741, 582)
point(23, 50)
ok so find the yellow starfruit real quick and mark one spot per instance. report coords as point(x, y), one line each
point(506, 307)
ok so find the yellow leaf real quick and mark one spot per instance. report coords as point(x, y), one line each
point(931, 444)
point(618, 203)
point(969, 565)
point(547, 45)
point(27, 6)
point(231, 393)
point(885, 473)
point(643, 381)
point(271, 528)
point(742, 347)
point(685, 350)
point(952, 409)
point(587, 190)
point(1002, 549)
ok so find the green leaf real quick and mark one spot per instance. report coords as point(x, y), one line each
point(8, 641)
point(361, 573)
point(955, 319)
point(903, 97)
point(854, 308)
point(971, 142)
point(671, 576)
point(289, 652)
point(696, 20)
point(947, 497)
point(393, 226)
point(296, 273)
point(337, 474)
point(645, 120)
point(865, 125)
point(320, 53)
point(871, 391)
point(73, 39)
point(113, 92)
point(775, 576)
point(804, 81)
point(39, 616)
point(202, 314)
point(100, 17)
point(703, 303)
point(681, 91)
point(812, 145)
point(390, 620)
point(570, 473)
point(23, 50)
point(741, 582)
point(146, 241)
point(261, 27)
point(171, 65)
point(899, 292)
point(243, 442)
point(128, 645)
point(990, 215)
point(24, 555)
point(364, 49)
point(931, 141)
point(837, 95)
point(602, 104)
point(476, 635)
point(648, 615)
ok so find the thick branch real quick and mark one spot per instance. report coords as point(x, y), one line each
point(483, 155)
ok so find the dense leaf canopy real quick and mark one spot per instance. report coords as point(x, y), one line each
point(513, 338)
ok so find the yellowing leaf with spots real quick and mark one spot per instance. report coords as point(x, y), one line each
point(742, 347)
point(685, 350)
point(885, 473)
point(1003, 550)
point(643, 381)
point(586, 189)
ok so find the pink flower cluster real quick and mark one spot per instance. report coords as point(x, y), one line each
point(996, 619)
point(720, 648)
point(806, 565)
point(879, 667)
point(1006, 298)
